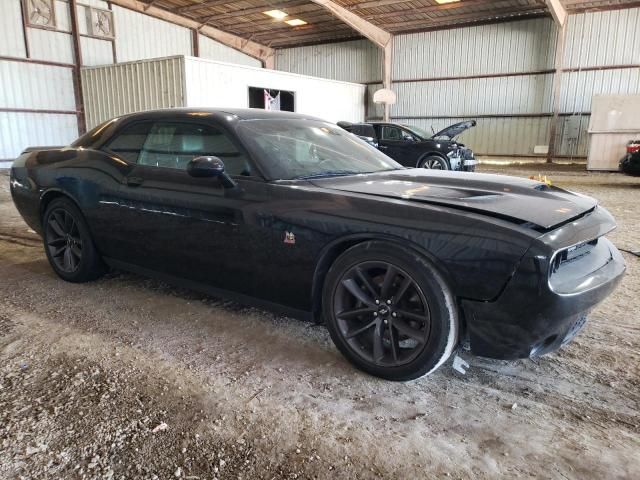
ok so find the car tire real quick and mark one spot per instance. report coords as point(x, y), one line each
point(389, 311)
point(433, 162)
point(68, 243)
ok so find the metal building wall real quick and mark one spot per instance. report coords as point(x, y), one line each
point(37, 105)
point(212, 50)
point(354, 61)
point(602, 56)
point(140, 36)
point(499, 74)
point(113, 90)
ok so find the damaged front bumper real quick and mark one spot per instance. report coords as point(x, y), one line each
point(545, 303)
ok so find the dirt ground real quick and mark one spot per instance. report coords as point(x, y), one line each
point(130, 378)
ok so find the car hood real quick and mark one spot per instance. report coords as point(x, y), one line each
point(456, 129)
point(514, 199)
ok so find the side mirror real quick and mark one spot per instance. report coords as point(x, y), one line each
point(210, 167)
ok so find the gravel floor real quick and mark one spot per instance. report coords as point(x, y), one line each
point(130, 378)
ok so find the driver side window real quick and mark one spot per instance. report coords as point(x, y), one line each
point(175, 144)
point(391, 133)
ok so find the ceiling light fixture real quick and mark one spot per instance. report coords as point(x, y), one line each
point(296, 22)
point(277, 14)
point(446, 1)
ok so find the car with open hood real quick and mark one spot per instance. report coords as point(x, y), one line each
point(292, 213)
point(414, 147)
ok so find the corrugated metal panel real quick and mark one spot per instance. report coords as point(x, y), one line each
point(572, 136)
point(495, 136)
point(212, 50)
point(213, 84)
point(578, 88)
point(140, 36)
point(29, 85)
point(63, 16)
point(115, 90)
point(95, 51)
point(49, 45)
point(11, 36)
point(521, 46)
point(479, 96)
point(355, 61)
point(21, 130)
point(603, 38)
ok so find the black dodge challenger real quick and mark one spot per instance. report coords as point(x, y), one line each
point(294, 213)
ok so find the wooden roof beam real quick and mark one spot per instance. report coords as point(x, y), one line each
point(558, 11)
point(253, 49)
point(380, 37)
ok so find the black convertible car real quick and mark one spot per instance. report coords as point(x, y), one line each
point(294, 213)
point(413, 147)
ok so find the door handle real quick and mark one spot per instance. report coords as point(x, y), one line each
point(382, 147)
point(133, 181)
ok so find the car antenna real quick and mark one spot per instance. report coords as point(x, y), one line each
point(433, 130)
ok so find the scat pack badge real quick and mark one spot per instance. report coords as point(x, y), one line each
point(289, 238)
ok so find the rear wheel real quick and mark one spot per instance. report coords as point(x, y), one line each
point(433, 162)
point(389, 311)
point(68, 243)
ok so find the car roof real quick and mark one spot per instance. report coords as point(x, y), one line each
point(223, 114)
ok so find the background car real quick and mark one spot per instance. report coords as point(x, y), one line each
point(293, 213)
point(630, 164)
point(414, 147)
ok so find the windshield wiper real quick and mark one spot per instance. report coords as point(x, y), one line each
point(328, 173)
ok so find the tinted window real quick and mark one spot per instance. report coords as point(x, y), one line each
point(129, 142)
point(364, 131)
point(391, 133)
point(174, 145)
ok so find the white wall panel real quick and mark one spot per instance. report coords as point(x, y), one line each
point(11, 36)
point(578, 88)
point(213, 84)
point(212, 50)
point(355, 61)
point(115, 90)
point(21, 130)
point(603, 38)
point(478, 96)
point(29, 85)
point(140, 36)
point(95, 51)
point(520, 46)
point(49, 45)
point(63, 16)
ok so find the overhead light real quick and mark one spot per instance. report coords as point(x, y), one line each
point(446, 1)
point(296, 22)
point(277, 14)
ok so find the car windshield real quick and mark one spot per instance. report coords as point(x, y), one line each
point(289, 149)
point(418, 131)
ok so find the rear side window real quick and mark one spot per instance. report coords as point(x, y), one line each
point(364, 130)
point(128, 144)
point(174, 145)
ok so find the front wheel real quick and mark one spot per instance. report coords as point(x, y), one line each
point(433, 162)
point(389, 311)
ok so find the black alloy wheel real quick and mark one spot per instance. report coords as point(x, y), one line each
point(434, 162)
point(68, 243)
point(382, 313)
point(63, 240)
point(389, 310)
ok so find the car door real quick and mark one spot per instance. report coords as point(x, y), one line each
point(397, 143)
point(187, 227)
